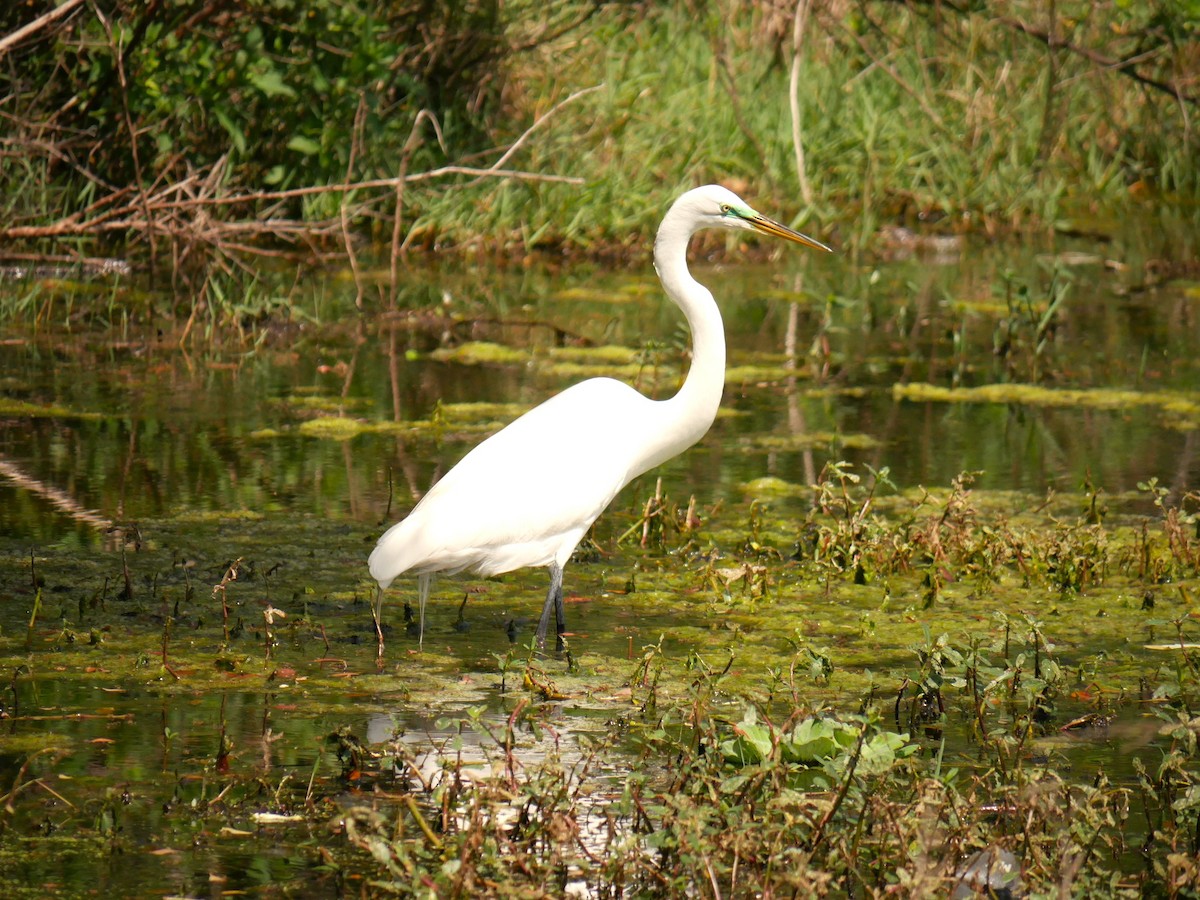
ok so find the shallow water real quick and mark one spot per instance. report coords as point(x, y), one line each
point(130, 425)
point(190, 459)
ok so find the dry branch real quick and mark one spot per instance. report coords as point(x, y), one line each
point(799, 25)
point(174, 211)
point(11, 40)
point(179, 209)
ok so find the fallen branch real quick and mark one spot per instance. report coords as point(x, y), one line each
point(187, 212)
point(165, 212)
point(263, 196)
point(11, 40)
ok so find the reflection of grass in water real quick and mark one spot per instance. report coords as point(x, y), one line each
point(959, 614)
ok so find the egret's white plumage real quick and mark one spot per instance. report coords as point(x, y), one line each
point(528, 494)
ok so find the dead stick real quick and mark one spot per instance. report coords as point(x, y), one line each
point(37, 24)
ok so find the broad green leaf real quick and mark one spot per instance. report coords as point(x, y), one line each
point(304, 145)
point(271, 83)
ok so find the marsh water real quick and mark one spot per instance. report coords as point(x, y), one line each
point(135, 470)
point(129, 424)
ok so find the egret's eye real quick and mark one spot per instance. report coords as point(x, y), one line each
point(725, 209)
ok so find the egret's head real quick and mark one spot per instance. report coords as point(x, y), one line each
point(713, 206)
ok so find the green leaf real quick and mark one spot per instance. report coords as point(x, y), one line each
point(271, 84)
point(879, 754)
point(733, 784)
point(304, 145)
point(816, 739)
point(757, 736)
point(753, 742)
point(235, 133)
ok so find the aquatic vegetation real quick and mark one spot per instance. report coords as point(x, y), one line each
point(814, 439)
point(1181, 410)
point(753, 637)
point(10, 406)
point(479, 412)
point(757, 374)
point(338, 428)
point(715, 806)
point(574, 371)
point(607, 355)
point(938, 663)
point(769, 486)
point(479, 353)
point(319, 403)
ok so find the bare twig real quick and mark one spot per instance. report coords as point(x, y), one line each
point(721, 55)
point(410, 145)
point(818, 834)
point(798, 28)
point(1125, 66)
point(119, 58)
point(198, 211)
point(19, 784)
point(11, 40)
point(231, 575)
point(163, 211)
point(541, 120)
point(430, 175)
point(360, 116)
point(891, 72)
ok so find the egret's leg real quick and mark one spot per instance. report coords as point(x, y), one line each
point(423, 581)
point(560, 612)
point(554, 601)
point(377, 615)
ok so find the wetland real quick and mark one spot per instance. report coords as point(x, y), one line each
point(916, 618)
point(921, 606)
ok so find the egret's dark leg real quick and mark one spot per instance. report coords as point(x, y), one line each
point(423, 582)
point(554, 601)
point(377, 614)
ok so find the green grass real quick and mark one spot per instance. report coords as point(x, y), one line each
point(913, 115)
point(960, 123)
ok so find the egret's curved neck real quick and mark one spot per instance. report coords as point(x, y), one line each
point(688, 415)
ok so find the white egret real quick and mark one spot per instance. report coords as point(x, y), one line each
point(529, 493)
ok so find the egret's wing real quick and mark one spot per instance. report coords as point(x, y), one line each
point(529, 492)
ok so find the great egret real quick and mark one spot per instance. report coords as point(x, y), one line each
point(529, 493)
